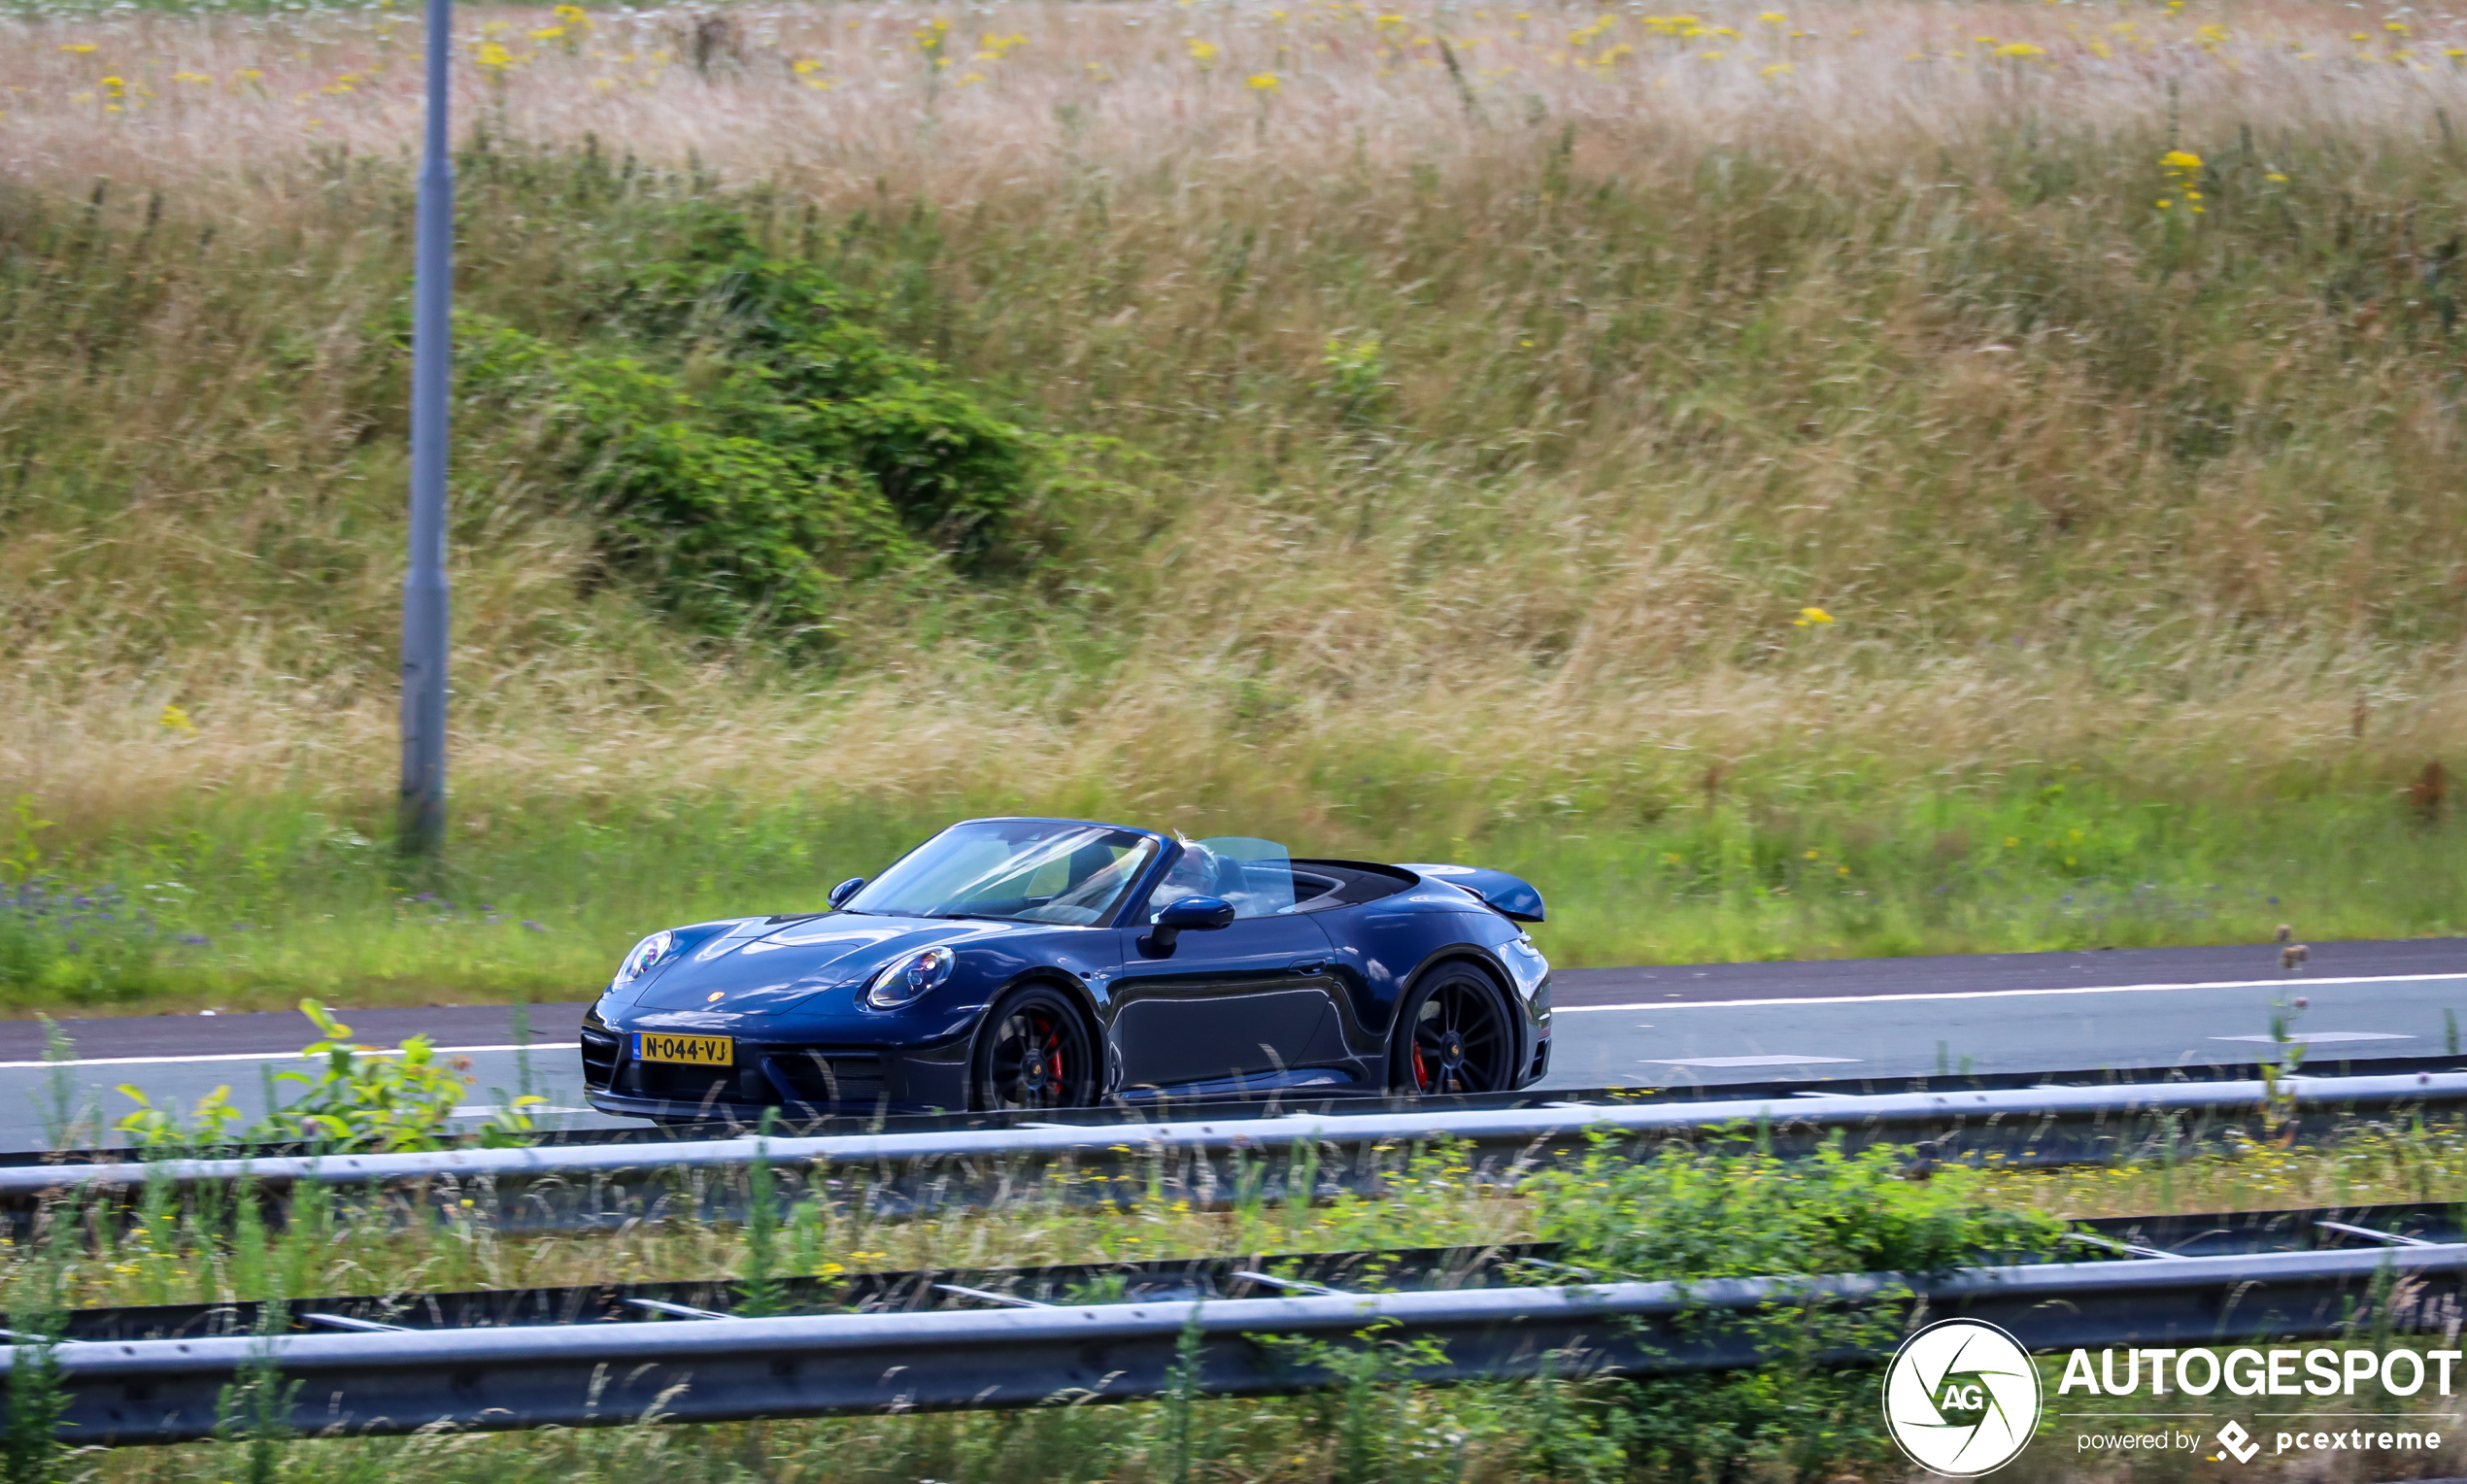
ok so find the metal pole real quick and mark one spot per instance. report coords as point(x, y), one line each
point(423, 805)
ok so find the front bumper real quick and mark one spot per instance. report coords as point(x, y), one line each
point(799, 1079)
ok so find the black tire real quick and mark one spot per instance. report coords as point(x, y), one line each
point(1034, 1053)
point(1453, 1035)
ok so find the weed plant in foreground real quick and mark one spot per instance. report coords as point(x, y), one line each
point(1848, 480)
point(172, 1249)
point(1708, 1212)
point(1682, 1214)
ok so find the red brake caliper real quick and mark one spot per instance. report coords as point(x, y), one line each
point(1421, 1071)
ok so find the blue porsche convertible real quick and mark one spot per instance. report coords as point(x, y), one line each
point(1025, 963)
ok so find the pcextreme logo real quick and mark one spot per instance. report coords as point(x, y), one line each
point(1961, 1398)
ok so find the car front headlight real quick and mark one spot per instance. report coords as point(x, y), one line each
point(647, 955)
point(908, 976)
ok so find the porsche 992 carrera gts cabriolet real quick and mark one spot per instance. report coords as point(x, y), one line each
point(1022, 964)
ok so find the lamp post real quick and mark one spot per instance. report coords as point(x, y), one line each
point(421, 815)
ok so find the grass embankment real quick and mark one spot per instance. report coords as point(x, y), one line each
point(1790, 490)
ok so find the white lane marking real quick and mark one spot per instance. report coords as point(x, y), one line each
point(261, 1056)
point(2321, 1037)
point(1744, 1060)
point(2084, 989)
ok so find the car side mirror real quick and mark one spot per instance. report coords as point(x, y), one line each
point(846, 890)
point(1189, 914)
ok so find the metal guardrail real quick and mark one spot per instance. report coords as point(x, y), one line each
point(733, 1369)
point(1158, 1280)
point(1293, 1102)
point(1214, 1161)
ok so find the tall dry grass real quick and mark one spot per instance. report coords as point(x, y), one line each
point(1502, 417)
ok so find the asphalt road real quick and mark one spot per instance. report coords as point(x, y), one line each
point(2000, 1012)
point(1621, 1027)
point(178, 1059)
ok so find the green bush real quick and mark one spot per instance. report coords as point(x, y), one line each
point(353, 1101)
point(749, 445)
point(1692, 1214)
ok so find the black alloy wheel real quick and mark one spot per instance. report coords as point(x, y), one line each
point(1035, 1054)
point(1455, 1037)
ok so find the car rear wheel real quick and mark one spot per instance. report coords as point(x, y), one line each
point(1454, 1036)
point(1035, 1054)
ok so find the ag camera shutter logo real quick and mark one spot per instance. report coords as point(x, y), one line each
point(1961, 1398)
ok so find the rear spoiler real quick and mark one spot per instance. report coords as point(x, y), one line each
point(1503, 894)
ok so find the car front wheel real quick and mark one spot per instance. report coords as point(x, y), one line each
point(1035, 1054)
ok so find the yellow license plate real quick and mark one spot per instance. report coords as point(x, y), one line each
point(696, 1050)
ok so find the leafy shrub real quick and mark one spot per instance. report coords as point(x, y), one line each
point(749, 444)
point(1695, 1213)
point(1692, 1214)
point(353, 1101)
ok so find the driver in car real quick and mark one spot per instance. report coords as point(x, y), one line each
point(1197, 872)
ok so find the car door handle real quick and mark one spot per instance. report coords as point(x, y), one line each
point(1307, 966)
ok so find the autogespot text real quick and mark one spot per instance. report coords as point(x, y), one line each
point(2315, 1371)
point(2312, 1371)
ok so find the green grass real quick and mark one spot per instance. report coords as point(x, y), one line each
point(1465, 492)
point(255, 902)
point(1371, 1434)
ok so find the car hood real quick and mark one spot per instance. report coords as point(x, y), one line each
point(758, 968)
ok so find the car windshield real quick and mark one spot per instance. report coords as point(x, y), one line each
point(1022, 870)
